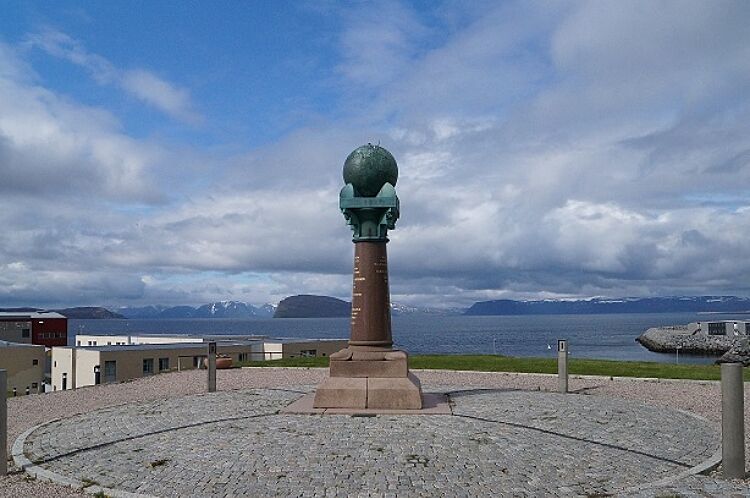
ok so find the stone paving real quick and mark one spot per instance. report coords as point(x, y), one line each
point(497, 442)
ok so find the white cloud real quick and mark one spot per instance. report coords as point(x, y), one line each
point(139, 83)
point(51, 145)
point(588, 149)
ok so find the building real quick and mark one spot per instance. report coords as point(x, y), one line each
point(728, 328)
point(127, 340)
point(274, 349)
point(25, 365)
point(103, 359)
point(74, 366)
point(45, 328)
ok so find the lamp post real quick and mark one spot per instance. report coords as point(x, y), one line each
point(562, 366)
point(732, 421)
point(3, 422)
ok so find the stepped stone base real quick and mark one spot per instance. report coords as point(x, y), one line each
point(369, 379)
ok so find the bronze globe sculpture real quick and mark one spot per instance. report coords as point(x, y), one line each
point(369, 373)
point(368, 168)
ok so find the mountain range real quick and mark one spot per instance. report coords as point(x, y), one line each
point(221, 309)
point(688, 304)
point(323, 306)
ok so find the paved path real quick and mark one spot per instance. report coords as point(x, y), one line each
point(503, 442)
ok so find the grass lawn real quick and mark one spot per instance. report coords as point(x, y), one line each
point(491, 363)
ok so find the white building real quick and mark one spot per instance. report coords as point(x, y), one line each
point(127, 340)
point(102, 359)
point(74, 367)
point(728, 328)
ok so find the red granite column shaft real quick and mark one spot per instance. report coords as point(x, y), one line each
point(371, 302)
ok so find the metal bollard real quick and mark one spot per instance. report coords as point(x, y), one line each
point(732, 421)
point(211, 367)
point(3, 423)
point(562, 366)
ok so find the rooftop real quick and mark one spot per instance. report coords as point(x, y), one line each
point(28, 315)
point(220, 338)
point(176, 345)
point(7, 344)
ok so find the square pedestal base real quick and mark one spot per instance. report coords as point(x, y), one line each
point(403, 393)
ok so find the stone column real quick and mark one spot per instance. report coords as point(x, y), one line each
point(371, 314)
point(369, 373)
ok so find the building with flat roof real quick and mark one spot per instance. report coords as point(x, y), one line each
point(128, 339)
point(275, 349)
point(727, 328)
point(25, 365)
point(272, 348)
point(74, 366)
point(45, 328)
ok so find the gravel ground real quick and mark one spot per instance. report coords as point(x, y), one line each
point(702, 398)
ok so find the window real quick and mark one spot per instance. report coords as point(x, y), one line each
point(243, 357)
point(35, 362)
point(25, 333)
point(109, 343)
point(163, 364)
point(307, 353)
point(90, 343)
point(717, 328)
point(79, 343)
point(148, 366)
point(110, 371)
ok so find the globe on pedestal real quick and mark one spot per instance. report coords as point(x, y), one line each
point(368, 168)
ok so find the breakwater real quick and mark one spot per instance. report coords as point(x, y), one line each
point(671, 338)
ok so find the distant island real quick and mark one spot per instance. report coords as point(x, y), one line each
point(307, 306)
point(685, 304)
point(81, 312)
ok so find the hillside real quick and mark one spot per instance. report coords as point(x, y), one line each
point(306, 306)
point(684, 304)
point(79, 312)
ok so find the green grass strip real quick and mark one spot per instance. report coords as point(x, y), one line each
point(491, 363)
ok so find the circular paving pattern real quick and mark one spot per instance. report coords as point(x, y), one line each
point(513, 443)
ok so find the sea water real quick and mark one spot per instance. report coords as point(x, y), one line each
point(589, 336)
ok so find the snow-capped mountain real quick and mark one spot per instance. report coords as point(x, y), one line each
point(220, 309)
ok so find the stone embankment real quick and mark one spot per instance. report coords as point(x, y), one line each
point(669, 339)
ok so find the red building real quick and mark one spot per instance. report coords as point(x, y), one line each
point(44, 328)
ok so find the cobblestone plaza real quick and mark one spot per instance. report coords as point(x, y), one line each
point(500, 442)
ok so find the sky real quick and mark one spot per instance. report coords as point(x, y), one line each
point(181, 152)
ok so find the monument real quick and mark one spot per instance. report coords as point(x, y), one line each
point(369, 373)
